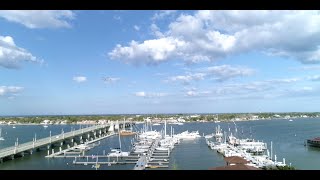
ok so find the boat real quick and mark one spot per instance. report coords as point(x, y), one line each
point(117, 152)
point(1, 138)
point(156, 124)
point(82, 147)
point(45, 123)
point(290, 120)
point(314, 142)
point(125, 132)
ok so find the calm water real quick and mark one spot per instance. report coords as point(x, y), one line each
point(287, 137)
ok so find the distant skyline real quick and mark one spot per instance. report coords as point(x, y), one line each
point(152, 62)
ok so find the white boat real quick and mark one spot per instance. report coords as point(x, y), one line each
point(188, 135)
point(290, 120)
point(82, 147)
point(156, 124)
point(208, 136)
point(45, 123)
point(116, 152)
point(14, 127)
point(1, 138)
point(162, 149)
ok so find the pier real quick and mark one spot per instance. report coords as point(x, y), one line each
point(72, 138)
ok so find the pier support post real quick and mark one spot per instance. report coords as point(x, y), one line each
point(52, 151)
point(60, 148)
point(31, 151)
point(1, 160)
point(22, 154)
point(48, 152)
point(12, 157)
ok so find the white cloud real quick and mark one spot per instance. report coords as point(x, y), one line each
point(80, 79)
point(218, 73)
point(162, 14)
point(314, 78)
point(310, 67)
point(225, 72)
point(155, 30)
point(149, 95)
point(10, 91)
point(154, 51)
point(110, 79)
point(117, 18)
point(39, 18)
point(306, 88)
point(11, 55)
point(198, 93)
point(137, 28)
point(285, 87)
point(186, 79)
point(211, 35)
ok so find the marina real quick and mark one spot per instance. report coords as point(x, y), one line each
point(183, 155)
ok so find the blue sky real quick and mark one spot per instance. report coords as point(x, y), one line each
point(109, 62)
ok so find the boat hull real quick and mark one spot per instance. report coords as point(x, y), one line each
point(313, 143)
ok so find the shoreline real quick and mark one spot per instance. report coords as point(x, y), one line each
point(140, 122)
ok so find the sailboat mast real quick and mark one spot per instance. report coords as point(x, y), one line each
point(124, 124)
point(119, 141)
point(271, 150)
point(165, 128)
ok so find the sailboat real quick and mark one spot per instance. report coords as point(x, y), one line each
point(217, 121)
point(125, 132)
point(1, 138)
point(116, 152)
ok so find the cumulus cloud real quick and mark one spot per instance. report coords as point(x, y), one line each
point(211, 35)
point(152, 51)
point(39, 18)
point(80, 79)
point(150, 94)
point(110, 79)
point(218, 73)
point(11, 55)
point(10, 91)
